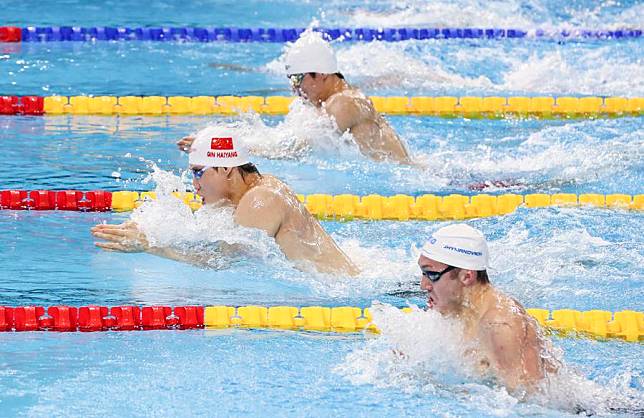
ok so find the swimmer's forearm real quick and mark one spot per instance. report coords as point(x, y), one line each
point(210, 256)
point(173, 254)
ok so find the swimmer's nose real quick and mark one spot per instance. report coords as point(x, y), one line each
point(425, 284)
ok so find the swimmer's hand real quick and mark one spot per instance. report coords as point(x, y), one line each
point(184, 144)
point(126, 238)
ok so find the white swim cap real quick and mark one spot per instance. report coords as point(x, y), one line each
point(458, 245)
point(311, 54)
point(217, 146)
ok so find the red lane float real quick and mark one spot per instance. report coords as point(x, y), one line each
point(10, 34)
point(126, 318)
point(32, 105)
point(26, 318)
point(8, 105)
point(95, 200)
point(99, 318)
point(91, 318)
point(6, 318)
point(25, 105)
point(190, 316)
point(65, 318)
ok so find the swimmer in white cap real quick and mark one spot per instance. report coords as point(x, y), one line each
point(222, 173)
point(312, 69)
point(503, 339)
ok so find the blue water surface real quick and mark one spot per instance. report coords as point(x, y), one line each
point(552, 258)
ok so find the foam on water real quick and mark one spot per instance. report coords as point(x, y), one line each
point(380, 64)
point(430, 65)
point(535, 254)
point(304, 131)
point(594, 72)
point(423, 353)
point(168, 222)
point(209, 232)
point(569, 153)
point(382, 269)
point(401, 355)
point(525, 14)
point(547, 258)
point(560, 256)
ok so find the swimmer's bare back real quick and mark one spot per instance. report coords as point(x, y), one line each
point(511, 342)
point(270, 205)
point(376, 139)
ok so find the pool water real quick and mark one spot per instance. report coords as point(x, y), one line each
point(552, 258)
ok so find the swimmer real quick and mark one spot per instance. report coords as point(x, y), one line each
point(505, 341)
point(223, 175)
point(312, 69)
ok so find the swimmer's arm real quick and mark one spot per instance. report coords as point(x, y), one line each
point(261, 209)
point(213, 255)
point(513, 359)
point(346, 112)
point(350, 115)
point(128, 238)
point(177, 255)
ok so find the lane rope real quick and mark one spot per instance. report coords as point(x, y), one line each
point(443, 106)
point(344, 207)
point(280, 35)
point(627, 325)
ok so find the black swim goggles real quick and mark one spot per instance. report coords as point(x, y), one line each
point(296, 79)
point(435, 276)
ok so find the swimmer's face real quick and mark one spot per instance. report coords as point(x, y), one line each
point(444, 295)
point(211, 183)
point(311, 87)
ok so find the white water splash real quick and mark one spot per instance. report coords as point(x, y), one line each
point(591, 72)
point(421, 353)
point(413, 65)
point(382, 269)
point(305, 131)
point(563, 254)
point(210, 232)
point(407, 350)
point(551, 157)
point(524, 14)
point(382, 64)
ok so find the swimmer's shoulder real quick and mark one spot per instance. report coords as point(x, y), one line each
point(502, 312)
point(351, 100)
point(268, 190)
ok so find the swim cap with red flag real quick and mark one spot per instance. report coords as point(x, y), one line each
point(217, 146)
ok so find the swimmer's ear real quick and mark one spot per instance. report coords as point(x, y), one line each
point(468, 277)
point(228, 171)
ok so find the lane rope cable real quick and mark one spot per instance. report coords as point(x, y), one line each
point(442, 106)
point(626, 325)
point(280, 35)
point(344, 207)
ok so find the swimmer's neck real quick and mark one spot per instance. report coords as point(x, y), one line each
point(336, 85)
point(244, 184)
point(475, 301)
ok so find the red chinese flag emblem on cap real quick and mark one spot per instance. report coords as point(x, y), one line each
point(221, 143)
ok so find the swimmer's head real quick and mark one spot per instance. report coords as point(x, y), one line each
point(219, 164)
point(454, 258)
point(458, 245)
point(311, 66)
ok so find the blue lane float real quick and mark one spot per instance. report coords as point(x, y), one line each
point(280, 35)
